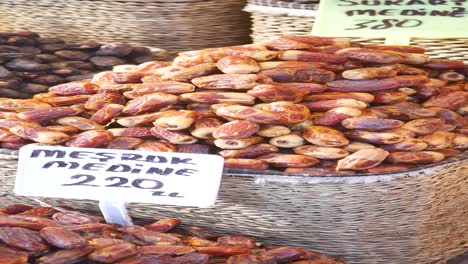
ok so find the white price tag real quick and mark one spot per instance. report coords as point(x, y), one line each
point(119, 175)
point(398, 20)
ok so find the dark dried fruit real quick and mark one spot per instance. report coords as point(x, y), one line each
point(49, 40)
point(26, 65)
point(193, 148)
point(62, 238)
point(237, 240)
point(115, 49)
point(48, 79)
point(201, 232)
point(75, 218)
point(74, 64)
point(46, 212)
point(285, 254)
point(113, 253)
point(106, 61)
point(191, 258)
point(53, 47)
point(4, 73)
point(223, 250)
point(163, 225)
point(72, 55)
point(15, 209)
point(64, 72)
point(11, 256)
point(83, 46)
point(34, 88)
point(66, 256)
point(5, 92)
point(165, 250)
point(148, 259)
point(251, 259)
point(23, 238)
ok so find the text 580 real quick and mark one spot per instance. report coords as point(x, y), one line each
point(386, 24)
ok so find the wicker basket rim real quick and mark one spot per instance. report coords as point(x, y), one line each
point(262, 176)
point(276, 176)
point(283, 4)
point(281, 11)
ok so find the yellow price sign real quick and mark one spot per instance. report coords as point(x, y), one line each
point(392, 19)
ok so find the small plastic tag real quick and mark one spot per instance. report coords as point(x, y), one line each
point(115, 213)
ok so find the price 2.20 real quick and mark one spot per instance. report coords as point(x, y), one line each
point(385, 24)
point(148, 184)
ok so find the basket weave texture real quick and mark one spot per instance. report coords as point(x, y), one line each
point(418, 217)
point(175, 25)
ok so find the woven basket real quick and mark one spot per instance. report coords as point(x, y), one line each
point(174, 25)
point(272, 18)
point(415, 217)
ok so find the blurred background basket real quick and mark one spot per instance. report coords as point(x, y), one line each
point(416, 217)
point(173, 25)
point(271, 18)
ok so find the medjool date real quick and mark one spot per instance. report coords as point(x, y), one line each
point(106, 61)
point(26, 65)
point(115, 49)
point(49, 79)
point(53, 47)
point(47, 58)
point(5, 73)
point(72, 55)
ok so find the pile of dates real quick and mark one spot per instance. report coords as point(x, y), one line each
point(29, 64)
point(44, 235)
point(299, 104)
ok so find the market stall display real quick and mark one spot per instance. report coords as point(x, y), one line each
point(303, 105)
point(46, 235)
point(30, 64)
point(420, 203)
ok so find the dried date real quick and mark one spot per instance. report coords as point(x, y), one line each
point(23, 238)
point(26, 65)
point(289, 160)
point(362, 159)
point(65, 256)
point(62, 238)
point(124, 143)
point(251, 164)
point(39, 134)
point(72, 55)
point(237, 129)
point(113, 253)
point(90, 139)
point(104, 62)
point(12, 256)
point(325, 136)
point(416, 157)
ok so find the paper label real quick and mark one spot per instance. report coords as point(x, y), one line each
point(386, 18)
point(119, 175)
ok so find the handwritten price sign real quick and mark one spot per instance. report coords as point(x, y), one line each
point(119, 175)
point(397, 18)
